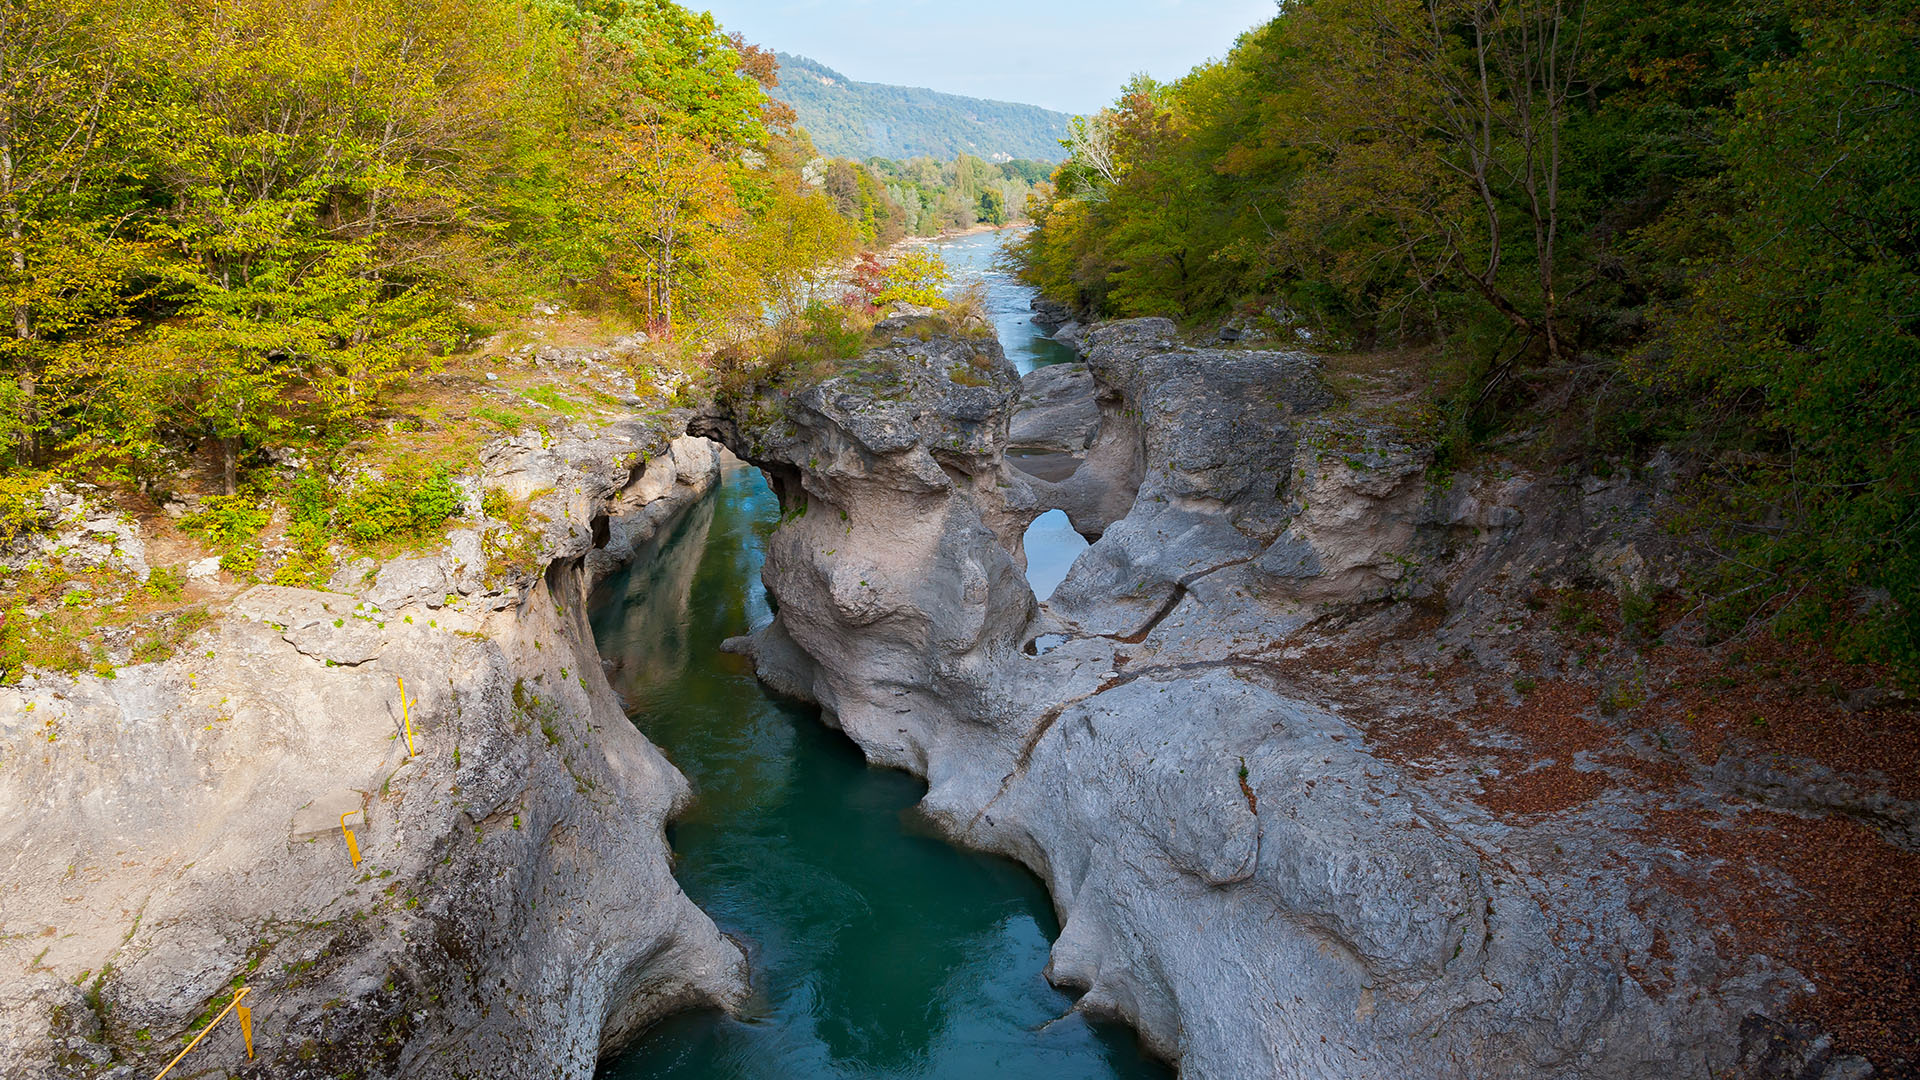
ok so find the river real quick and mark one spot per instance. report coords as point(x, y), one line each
point(877, 950)
point(971, 258)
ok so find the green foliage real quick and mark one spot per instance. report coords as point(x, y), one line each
point(20, 510)
point(408, 502)
point(886, 200)
point(806, 348)
point(514, 542)
point(915, 277)
point(798, 238)
point(166, 582)
point(233, 228)
point(550, 398)
point(504, 419)
point(1795, 332)
point(55, 641)
point(1721, 196)
point(167, 636)
point(993, 207)
point(228, 521)
point(828, 332)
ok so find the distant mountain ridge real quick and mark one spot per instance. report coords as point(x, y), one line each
point(864, 120)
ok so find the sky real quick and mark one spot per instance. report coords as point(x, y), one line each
point(1070, 55)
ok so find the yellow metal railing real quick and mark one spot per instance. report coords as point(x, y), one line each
point(406, 714)
point(353, 846)
point(245, 1015)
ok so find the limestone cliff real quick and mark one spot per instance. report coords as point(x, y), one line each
point(1253, 861)
point(173, 832)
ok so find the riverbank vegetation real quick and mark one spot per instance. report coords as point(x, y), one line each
point(1611, 228)
point(282, 271)
point(889, 201)
point(231, 228)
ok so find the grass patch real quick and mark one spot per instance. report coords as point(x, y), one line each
point(548, 397)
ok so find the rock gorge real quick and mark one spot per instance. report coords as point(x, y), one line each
point(1256, 858)
point(175, 831)
point(1246, 746)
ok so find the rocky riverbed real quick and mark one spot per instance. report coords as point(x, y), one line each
point(173, 829)
point(1333, 765)
point(1316, 788)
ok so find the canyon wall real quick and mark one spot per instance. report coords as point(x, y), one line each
point(174, 830)
point(1264, 876)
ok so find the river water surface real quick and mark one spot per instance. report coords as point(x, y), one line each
point(973, 258)
point(878, 951)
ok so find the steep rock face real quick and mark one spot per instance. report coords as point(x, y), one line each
point(1077, 445)
point(1057, 411)
point(175, 830)
point(898, 566)
point(1240, 871)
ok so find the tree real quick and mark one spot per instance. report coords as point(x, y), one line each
point(664, 207)
point(993, 207)
point(1089, 146)
point(795, 238)
point(60, 273)
point(913, 278)
point(1798, 336)
point(1439, 116)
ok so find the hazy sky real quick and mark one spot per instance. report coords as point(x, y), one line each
point(1070, 55)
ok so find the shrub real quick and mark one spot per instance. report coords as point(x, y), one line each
point(821, 339)
point(46, 643)
point(517, 542)
point(228, 521)
point(166, 582)
point(20, 510)
point(914, 278)
point(408, 501)
point(1639, 615)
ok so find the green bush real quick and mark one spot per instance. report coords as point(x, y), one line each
point(20, 505)
point(228, 521)
point(408, 502)
point(46, 643)
point(166, 582)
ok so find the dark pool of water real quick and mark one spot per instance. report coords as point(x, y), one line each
point(972, 258)
point(877, 950)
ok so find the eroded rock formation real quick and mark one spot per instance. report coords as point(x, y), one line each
point(174, 831)
point(1244, 868)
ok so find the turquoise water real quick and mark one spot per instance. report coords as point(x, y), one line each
point(878, 951)
point(970, 259)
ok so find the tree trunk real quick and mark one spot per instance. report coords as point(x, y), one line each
point(229, 466)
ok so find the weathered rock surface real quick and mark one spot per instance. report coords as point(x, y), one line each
point(174, 832)
point(1111, 461)
point(1241, 872)
point(1047, 313)
point(895, 495)
point(1056, 425)
point(84, 533)
point(1057, 410)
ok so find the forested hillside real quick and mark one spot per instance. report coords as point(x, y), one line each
point(239, 237)
point(242, 235)
point(229, 226)
point(1604, 230)
point(867, 120)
